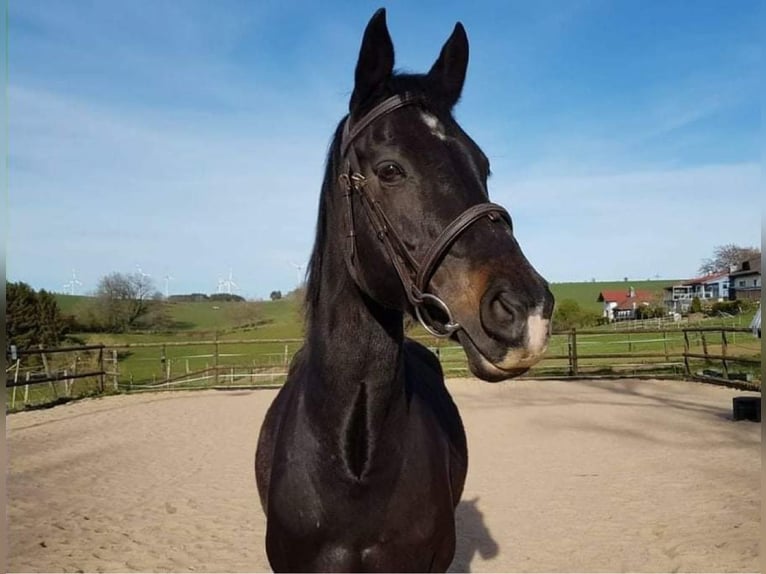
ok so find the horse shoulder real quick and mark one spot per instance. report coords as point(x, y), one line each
point(425, 383)
point(275, 415)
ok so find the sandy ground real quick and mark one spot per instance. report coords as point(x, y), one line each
point(586, 476)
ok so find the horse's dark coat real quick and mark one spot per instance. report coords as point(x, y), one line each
point(362, 457)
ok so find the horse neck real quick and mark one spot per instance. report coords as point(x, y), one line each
point(353, 341)
point(354, 354)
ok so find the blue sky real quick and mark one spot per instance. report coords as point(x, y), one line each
point(188, 138)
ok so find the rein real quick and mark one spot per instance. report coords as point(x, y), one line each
point(415, 276)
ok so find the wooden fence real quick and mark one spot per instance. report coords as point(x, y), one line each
point(720, 355)
point(731, 373)
point(32, 368)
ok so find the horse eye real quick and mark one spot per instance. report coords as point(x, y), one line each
point(389, 172)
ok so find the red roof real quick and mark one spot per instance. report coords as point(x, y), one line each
point(623, 297)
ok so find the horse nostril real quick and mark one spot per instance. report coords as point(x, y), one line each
point(503, 309)
point(504, 317)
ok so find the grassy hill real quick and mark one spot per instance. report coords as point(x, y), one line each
point(284, 318)
point(586, 294)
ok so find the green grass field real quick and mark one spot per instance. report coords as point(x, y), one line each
point(273, 332)
point(284, 318)
point(586, 294)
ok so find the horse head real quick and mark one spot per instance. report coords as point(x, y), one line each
point(423, 237)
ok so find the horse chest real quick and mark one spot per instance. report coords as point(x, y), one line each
point(396, 518)
point(402, 535)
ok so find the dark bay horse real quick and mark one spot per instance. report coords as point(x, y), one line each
point(362, 457)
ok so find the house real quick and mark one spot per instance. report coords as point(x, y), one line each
point(745, 281)
point(713, 287)
point(621, 304)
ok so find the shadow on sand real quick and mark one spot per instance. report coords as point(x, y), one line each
point(473, 537)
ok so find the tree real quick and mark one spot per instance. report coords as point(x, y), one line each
point(725, 256)
point(51, 323)
point(275, 295)
point(124, 299)
point(569, 314)
point(32, 318)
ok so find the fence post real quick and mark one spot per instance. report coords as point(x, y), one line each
point(724, 345)
point(574, 351)
point(686, 352)
point(164, 362)
point(665, 345)
point(74, 372)
point(116, 370)
point(101, 368)
point(15, 380)
point(704, 345)
point(48, 372)
point(215, 360)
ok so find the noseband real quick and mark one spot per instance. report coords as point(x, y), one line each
point(415, 276)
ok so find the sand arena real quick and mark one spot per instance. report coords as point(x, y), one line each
point(647, 476)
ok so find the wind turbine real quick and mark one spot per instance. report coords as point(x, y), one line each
point(141, 272)
point(227, 285)
point(72, 283)
point(299, 270)
point(168, 278)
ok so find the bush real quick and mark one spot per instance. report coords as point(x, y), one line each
point(729, 307)
point(696, 306)
point(650, 312)
point(227, 298)
point(190, 297)
point(747, 305)
point(568, 314)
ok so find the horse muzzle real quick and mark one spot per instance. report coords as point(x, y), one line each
point(511, 335)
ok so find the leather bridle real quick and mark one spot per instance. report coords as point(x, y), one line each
point(415, 276)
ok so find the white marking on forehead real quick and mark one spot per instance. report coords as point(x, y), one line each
point(434, 125)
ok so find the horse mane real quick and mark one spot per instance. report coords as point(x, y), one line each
point(317, 260)
point(398, 83)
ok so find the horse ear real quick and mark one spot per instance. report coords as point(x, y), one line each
point(448, 72)
point(376, 59)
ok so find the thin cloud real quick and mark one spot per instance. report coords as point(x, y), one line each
point(636, 224)
point(192, 140)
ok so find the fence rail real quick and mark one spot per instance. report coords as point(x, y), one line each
point(689, 352)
